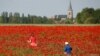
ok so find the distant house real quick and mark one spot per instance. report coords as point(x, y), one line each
point(61, 17)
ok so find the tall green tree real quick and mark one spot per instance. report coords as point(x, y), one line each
point(97, 15)
point(29, 19)
point(10, 17)
point(4, 17)
point(16, 18)
point(44, 20)
point(86, 13)
point(78, 18)
point(88, 16)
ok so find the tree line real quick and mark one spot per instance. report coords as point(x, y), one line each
point(12, 18)
point(88, 16)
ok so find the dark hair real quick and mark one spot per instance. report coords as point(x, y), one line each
point(32, 34)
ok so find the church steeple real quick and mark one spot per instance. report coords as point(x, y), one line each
point(70, 6)
point(70, 11)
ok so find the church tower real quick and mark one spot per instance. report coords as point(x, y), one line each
point(70, 11)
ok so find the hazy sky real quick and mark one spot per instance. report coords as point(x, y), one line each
point(46, 7)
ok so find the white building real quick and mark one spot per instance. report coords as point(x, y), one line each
point(70, 11)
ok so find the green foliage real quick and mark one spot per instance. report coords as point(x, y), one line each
point(4, 17)
point(88, 16)
point(50, 21)
point(90, 20)
point(97, 15)
point(17, 19)
point(0, 19)
point(69, 21)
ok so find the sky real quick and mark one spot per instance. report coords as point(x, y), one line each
point(47, 8)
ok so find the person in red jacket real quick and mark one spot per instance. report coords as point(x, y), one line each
point(32, 40)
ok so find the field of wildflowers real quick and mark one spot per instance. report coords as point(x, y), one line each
point(85, 40)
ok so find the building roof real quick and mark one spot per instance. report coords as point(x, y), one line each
point(60, 16)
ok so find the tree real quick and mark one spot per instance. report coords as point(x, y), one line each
point(88, 15)
point(78, 18)
point(50, 21)
point(34, 19)
point(10, 17)
point(16, 18)
point(44, 20)
point(90, 20)
point(69, 21)
point(97, 15)
point(29, 19)
point(0, 19)
point(22, 18)
point(5, 18)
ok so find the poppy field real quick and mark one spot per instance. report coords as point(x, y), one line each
point(85, 40)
